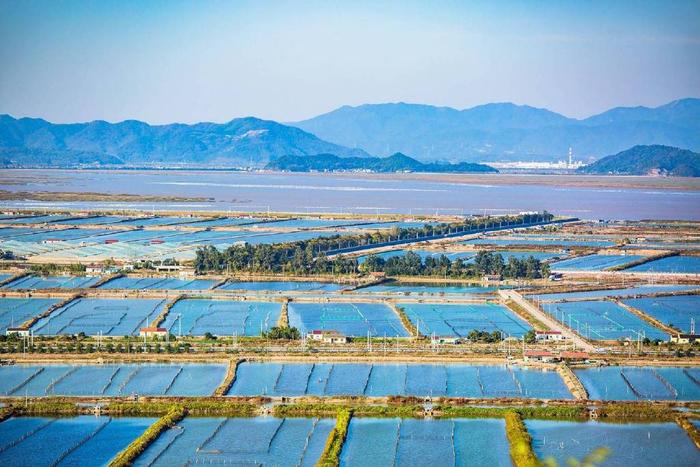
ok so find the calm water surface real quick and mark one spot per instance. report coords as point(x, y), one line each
point(303, 193)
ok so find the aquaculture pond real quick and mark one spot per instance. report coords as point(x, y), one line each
point(240, 441)
point(111, 317)
point(406, 288)
point(642, 444)
point(15, 311)
point(111, 380)
point(641, 383)
point(196, 317)
point(283, 286)
point(158, 283)
point(671, 264)
point(602, 320)
point(677, 310)
point(420, 442)
point(378, 380)
point(83, 440)
point(460, 320)
point(627, 292)
point(351, 319)
point(593, 262)
point(52, 282)
point(540, 241)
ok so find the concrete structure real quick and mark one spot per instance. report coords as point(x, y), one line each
point(575, 357)
point(685, 338)
point(549, 336)
point(327, 337)
point(153, 332)
point(541, 356)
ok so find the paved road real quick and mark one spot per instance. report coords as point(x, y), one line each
point(550, 322)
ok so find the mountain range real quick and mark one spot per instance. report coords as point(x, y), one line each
point(491, 132)
point(395, 163)
point(648, 160)
point(240, 142)
point(505, 132)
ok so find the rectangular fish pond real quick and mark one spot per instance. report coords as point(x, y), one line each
point(670, 264)
point(593, 262)
point(602, 320)
point(351, 319)
point(642, 444)
point(83, 440)
point(196, 317)
point(460, 320)
point(15, 311)
point(51, 282)
point(378, 380)
point(672, 310)
point(641, 383)
point(283, 286)
point(407, 288)
point(157, 283)
point(418, 442)
point(240, 441)
point(627, 292)
point(111, 317)
point(111, 379)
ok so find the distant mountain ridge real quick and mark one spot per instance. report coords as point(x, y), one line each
point(505, 131)
point(395, 163)
point(240, 142)
point(648, 160)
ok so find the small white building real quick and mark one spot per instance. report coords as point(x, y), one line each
point(541, 356)
point(327, 337)
point(549, 336)
point(153, 332)
point(685, 338)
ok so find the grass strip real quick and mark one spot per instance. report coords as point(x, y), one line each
point(520, 441)
point(690, 429)
point(140, 444)
point(336, 438)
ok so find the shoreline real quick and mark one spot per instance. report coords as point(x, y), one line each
point(563, 180)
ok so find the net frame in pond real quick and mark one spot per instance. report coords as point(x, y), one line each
point(87, 315)
point(609, 327)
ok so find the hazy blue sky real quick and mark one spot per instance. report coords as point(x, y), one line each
point(164, 61)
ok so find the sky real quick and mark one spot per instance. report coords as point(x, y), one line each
point(190, 61)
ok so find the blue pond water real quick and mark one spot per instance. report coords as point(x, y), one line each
point(111, 317)
point(158, 283)
point(222, 317)
point(51, 282)
point(593, 262)
point(15, 311)
point(240, 441)
point(459, 320)
point(111, 380)
point(628, 292)
point(84, 440)
point(418, 288)
point(677, 310)
point(378, 380)
point(279, 286)
point(415, 442)
point(602, 320)
point(641, 383)
point(351, 319)
point(644, 444)
point(671, 264)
